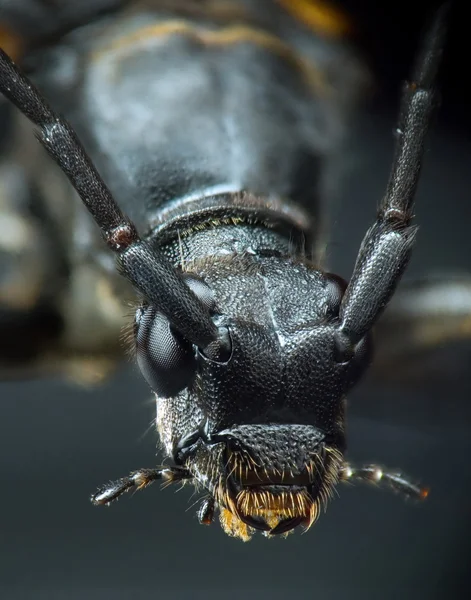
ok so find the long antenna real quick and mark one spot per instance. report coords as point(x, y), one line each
point(146, 268)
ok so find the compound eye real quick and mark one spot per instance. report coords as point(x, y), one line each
point(166, 360)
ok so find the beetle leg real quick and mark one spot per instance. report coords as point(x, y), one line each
point(32, 264)
point(376, 475)
point(138, 480)
point(48, 325)
point(423, 317)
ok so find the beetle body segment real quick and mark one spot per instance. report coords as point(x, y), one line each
point(256, 109)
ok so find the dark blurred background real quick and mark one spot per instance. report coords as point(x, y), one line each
point(57, 442)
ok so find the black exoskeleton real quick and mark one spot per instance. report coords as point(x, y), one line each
point(248, 345)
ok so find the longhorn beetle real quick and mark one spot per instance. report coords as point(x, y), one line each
point(213, 137)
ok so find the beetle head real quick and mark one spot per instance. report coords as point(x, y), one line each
point(258, 421)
